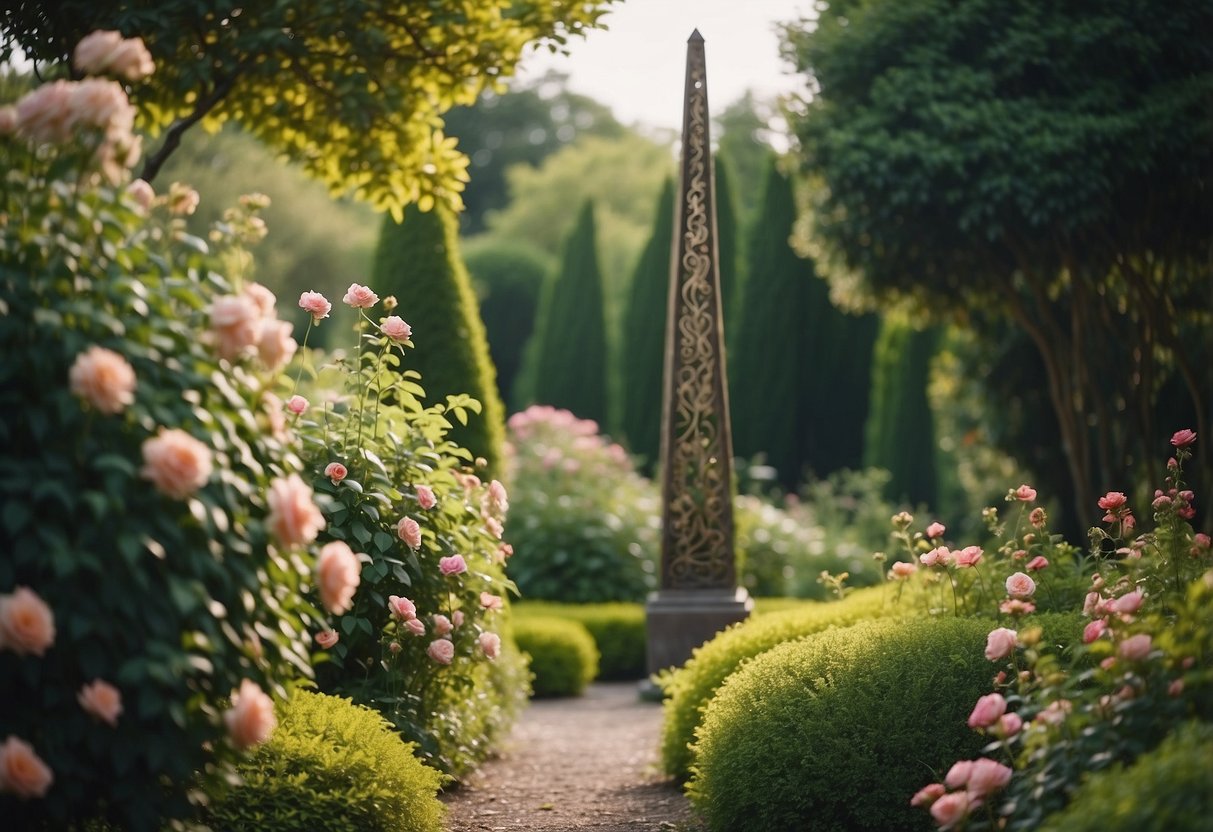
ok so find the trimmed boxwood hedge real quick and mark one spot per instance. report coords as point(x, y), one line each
point(1169, 789)
point(689, 688)
point(618, 630)
point(838, 730)
point(333, 765)
point(563, 656)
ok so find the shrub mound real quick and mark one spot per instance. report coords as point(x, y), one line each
point(332, 765)
point(563, 656)
point(618, 631)
point(1170, 789)
point(838, 730)
point(689, 688)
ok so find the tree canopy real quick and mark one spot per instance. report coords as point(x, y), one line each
point(1045, 161)
point(353, 91)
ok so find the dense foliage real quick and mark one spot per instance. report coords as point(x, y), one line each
point(618, 630)
point(563, 657)
point(417, 262)
point(335, 765)
point(355, 92)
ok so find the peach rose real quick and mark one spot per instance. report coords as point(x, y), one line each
point(101, 700)
point(102, 104)
point(409, 531)
point(176, 463)
point(316, 305)
point(336, 472)
point(22, 771)
point(493, 526)
point(497, 502)
point(43, 114)
point(338, 573)
point(968, 556)
point(490, 643)
point(107, 52)
point(441, 651)
point(235, 324)
point(902, 570)
point(395, 328)
point(1020, 586)
point(263, 297)
point(1000, 643)
point(936, 530)
point(104, 379)
point(275, 346)
point(293, 518)
point(27, 625)
point(360, 297)
point(142, 193)
point(182, 199)
point(250, 720)
point(327, 638)
point(939, 556)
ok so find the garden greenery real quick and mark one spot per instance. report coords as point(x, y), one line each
point(563, 656)
point(618, 629)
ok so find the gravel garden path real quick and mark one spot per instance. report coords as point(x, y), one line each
point(583, 763)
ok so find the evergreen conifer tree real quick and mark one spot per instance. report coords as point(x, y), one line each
point(569, 359)
point(418, 262)
point(727, 246)
point(644, 325)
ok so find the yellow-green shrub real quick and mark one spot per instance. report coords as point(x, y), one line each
point(336, 766)
point(689, 688)
point(563, 656)
point(1169, 789)
point(618, 630)
point(837, 730)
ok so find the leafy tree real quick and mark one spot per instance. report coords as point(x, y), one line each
point(570, 356)
point(509, 276)
point(900, 433)
point(418, 262)
point(524, 125)
point(353, 91)
point(644, 329)
point(1047, 163)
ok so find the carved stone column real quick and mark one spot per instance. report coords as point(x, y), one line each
point(699, 595)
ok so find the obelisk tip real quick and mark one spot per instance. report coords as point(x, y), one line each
point(695, 36)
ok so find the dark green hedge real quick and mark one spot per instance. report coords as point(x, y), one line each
point(618, 631)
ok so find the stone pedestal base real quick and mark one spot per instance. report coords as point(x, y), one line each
point(679, 620)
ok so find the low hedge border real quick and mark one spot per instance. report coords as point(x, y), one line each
point(564, 658)
point(618, 630)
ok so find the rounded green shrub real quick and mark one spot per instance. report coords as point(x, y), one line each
point(618, 629)
point(688, 689)
point(563, 656)
point(332, 765)
point(838, 730)
point(1169, 789)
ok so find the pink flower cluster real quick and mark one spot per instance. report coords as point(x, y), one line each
point(338, 573)
point(108, 53)
point(972, 782)
point(248, 322)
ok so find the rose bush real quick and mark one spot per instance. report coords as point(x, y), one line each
point(150, 602)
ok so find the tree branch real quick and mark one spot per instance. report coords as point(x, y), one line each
point(172, 137)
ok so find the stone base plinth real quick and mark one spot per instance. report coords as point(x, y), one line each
point(679, 620)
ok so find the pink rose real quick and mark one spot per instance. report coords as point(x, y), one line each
point(950, 809)
point(1019, 585)
point(294, 518)
point(987, 777)
point(441, 651)
point(1000, 643)
point(1129, 603)
point(1014, 606)
point(176, 463)
point(275, 346)
point(27, 625)
point(454, 565)
point(1038, 518)
point(415, 626)
point(1183, 438)
point(1094, 630)
point(316, 305)
point(336, 472)
point(968, 556)
point(988, 710)
point(1112, 500)
point(22, 771)
point(1135, 648)
point(101, 700)
point(394, 647)
point(425, 497)
point(1056, 712)
point(104, 379)
point(262, 297)
point(457, 618)
point(936, 530)
point(250, 720)
point(442, 625)
point(108, 53)
point(1037, 563)
point(1025, 493)
point(901, 569)
point(490, 601)
point(409, 531)
point(402, 609)
point(493, 526)
point(338, 573)
point(360, 297)
point(395, 328)
point(296, 404)
point(1009, 725)
point(43, 114)
point(102, 105)
point(1091, 603)
point(235, 324)
point(327, 638)
point(143, 194)
point(939, 556)
point(490, 643)
point(928, 794)
point(496, 501)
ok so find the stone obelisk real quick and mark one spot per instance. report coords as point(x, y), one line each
point(699, 595)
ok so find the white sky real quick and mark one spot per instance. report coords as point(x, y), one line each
point(638, 66)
